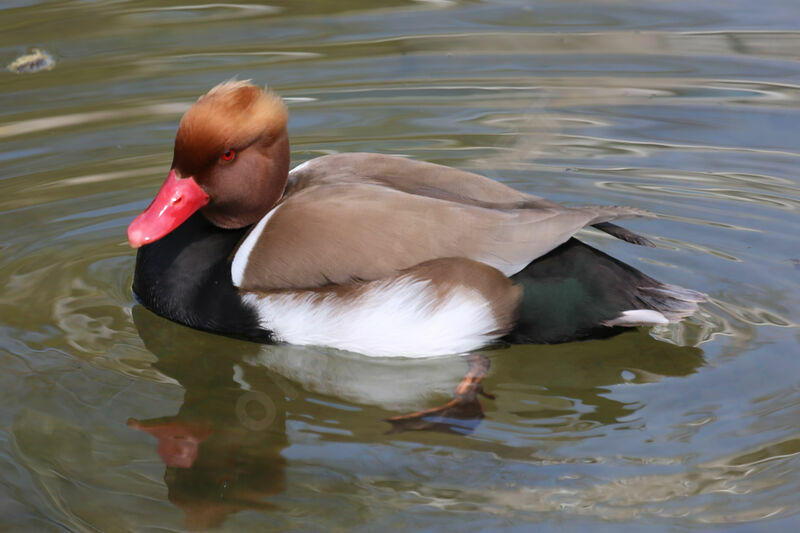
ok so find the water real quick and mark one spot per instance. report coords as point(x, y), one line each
point(685, 108)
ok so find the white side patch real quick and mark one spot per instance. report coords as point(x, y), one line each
point(402, 317)
point(242, 256)
point(638, 317)
point(300, 167)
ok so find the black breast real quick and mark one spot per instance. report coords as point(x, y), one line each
point(186, 277)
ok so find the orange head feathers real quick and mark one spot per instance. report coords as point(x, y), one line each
point(231, 162)
point(234, 114)
point(233, 142)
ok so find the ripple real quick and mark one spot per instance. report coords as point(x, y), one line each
point(719, 318)
point(202, 13)
point(738, 196)
point(752, 315)
point(598, 43)
point(203, 61)
point(26, 127)
point(723, 485)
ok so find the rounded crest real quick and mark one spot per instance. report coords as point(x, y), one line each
point(232, 115)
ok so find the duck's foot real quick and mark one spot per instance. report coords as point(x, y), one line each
point(461, 415)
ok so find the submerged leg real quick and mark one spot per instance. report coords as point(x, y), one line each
point(450, 417)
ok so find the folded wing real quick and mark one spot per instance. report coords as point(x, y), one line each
point(365, 216)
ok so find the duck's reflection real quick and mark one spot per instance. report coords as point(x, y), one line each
point(583, 373)
point(222, 450)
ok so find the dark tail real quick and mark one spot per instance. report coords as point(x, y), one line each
point(577, 292)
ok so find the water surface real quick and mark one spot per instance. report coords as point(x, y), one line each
point(689, 109)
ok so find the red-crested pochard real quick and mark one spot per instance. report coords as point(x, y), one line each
point(371, 253)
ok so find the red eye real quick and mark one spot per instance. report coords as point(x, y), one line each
point(228, 155)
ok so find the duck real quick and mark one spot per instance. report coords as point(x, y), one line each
point(377, 254)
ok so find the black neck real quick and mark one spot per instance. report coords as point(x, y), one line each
point(186, 277)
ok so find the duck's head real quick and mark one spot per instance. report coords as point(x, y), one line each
point(231, 162)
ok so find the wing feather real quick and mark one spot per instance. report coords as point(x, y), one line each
point(366, 216)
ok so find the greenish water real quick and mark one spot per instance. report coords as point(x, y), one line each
point(689, 109)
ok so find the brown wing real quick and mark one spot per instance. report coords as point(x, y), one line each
point(413, 177)
point(431, 180)
point(334, 231)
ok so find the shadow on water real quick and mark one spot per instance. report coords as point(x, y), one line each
point(585, 371)
point(223, 449)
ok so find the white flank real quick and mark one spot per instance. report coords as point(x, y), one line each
point(242, 256)
point(401, 317)
point(638, 317)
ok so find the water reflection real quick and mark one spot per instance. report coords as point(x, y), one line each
point(222, 450)
point(569, 385)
